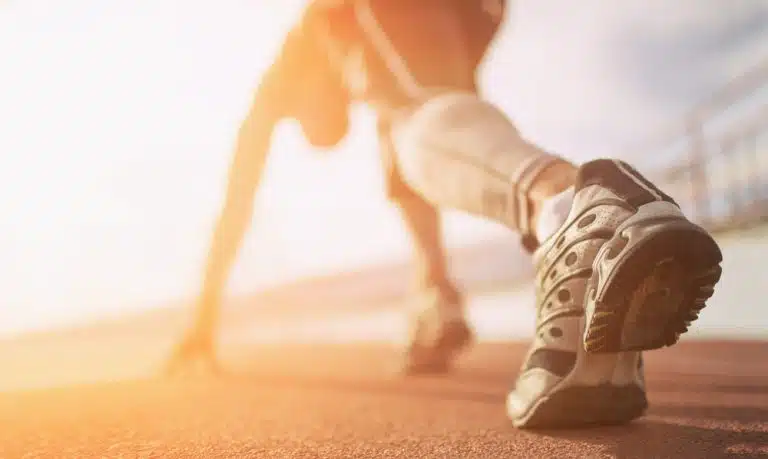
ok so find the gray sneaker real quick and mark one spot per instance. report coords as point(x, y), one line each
point(627, 272)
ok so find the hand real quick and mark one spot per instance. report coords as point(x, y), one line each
point(196, 351)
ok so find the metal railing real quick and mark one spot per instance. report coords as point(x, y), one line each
point(717, 164)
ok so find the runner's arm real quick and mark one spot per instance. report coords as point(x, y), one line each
point(245, 172)
point(301, 86)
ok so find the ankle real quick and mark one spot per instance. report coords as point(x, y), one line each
point(551, 196)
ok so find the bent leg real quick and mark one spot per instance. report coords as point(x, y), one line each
point(436, 308)
point(421, 220)
point(624, 272)
point(459, 151)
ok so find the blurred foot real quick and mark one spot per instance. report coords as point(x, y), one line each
point(439, 332)
point(194, 355)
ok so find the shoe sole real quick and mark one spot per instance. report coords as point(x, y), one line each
point(649, 281)
point(584, 406)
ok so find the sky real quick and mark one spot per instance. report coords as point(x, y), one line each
point(117, 121)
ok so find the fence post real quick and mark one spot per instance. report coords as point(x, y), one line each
point(699, 187)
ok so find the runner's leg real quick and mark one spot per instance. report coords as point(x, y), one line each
point(436, 301)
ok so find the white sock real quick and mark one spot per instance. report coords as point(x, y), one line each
point(554, 212)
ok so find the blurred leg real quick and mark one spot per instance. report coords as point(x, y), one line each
point(436, 307)
point(461, 152)
point(422, 221)
point(430, 268)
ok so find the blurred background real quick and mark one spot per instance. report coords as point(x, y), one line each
point(117, 122)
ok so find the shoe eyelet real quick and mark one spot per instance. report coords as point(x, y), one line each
point(586, 221)
point(571, 259)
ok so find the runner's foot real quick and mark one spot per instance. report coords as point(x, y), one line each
point(439, 332)
point(625, 272)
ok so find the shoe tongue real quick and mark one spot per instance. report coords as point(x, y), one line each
point(597, 172)
point(624, 181)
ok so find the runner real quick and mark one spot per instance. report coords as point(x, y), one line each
point(619, 269)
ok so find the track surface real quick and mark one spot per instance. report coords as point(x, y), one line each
point(94, 392)
point(709, 400)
